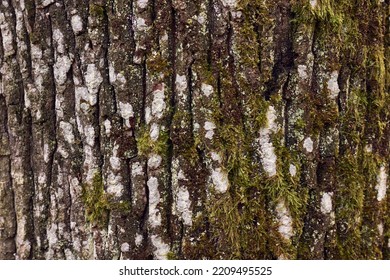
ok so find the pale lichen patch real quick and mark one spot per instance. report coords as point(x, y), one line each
point(181, 83)
point(267, 150)
point(136, 169)
point(154, 200)
point(326, 202)
point(285, 221)
point(183, 203)
point(114, 184)
point(47, 3)
point(158, 103)
point(89, 131)
point(114, 160)
point(82, 94)
point(111, 73)
point(107, 127)
point(154, 132)
point(381, 185)
point(126, 112)
point(380, 229)
point(368, 148)
point(58, 37)
point(333, 85)
point(46, 153)
point(308, 145)
point(207, 90)
point(209, 127)
point(61, 69)
point(161, 249)
point(229, 3)
point(293, 170)
point(154, 161)
point(77, 24)
point(93, 79)
point(67, 131)
point(302, 72)
point(138, 239)
point(216, 157)
point(148, 115)
point(142, 4)
point(140, 24)
point(220, 180)
point(125, 247)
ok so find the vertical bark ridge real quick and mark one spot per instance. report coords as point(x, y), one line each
point(212, 129)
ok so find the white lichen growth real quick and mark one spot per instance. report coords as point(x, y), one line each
point(326, 202)
point(58, 38)
point(46, 153)
point(216, 157)
point(138, 239)
point(333, 85)
point(140, 24)
point(209, 127)
point(126, 112)
point(181, 84)
point(107, 127)
point(136, 170)
point(183, 203)
point(308, 145)
point(89, 131)
point(293, 170)
point(93, 79)
point(229, 3)
point(154, 132)
point(77, 24)
point(285, 221)
point(148, 115)
point(154, 161)
point(125, 247)
point(302, 72)
point(61, 68)
point(154, 199)
point(267, 150)
point(82, 94)
point(381, 185)
point(114, 184)
point(67, 131)
point(158, 103)
point(47, 3)
point(220, 180)
point(380, 229)
point(161, 249)
point(142, 3)
point(207, 90)
point(114, 160)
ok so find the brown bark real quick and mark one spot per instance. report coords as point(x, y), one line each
point(194, 129)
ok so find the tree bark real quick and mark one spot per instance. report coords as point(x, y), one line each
point(203, 129)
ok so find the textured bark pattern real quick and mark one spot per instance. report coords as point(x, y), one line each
point(148, 129)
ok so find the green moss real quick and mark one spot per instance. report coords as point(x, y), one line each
point(325, 11)
point(171, 256)
point(98, 204)
point(157, 64)
point(349, 206)
point(96, 201)
point(96, 11)
point(147, 146)
point(239, 225)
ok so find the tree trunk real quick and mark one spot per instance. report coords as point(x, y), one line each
point(202, 129)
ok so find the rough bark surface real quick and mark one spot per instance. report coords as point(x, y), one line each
point(203, 129)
